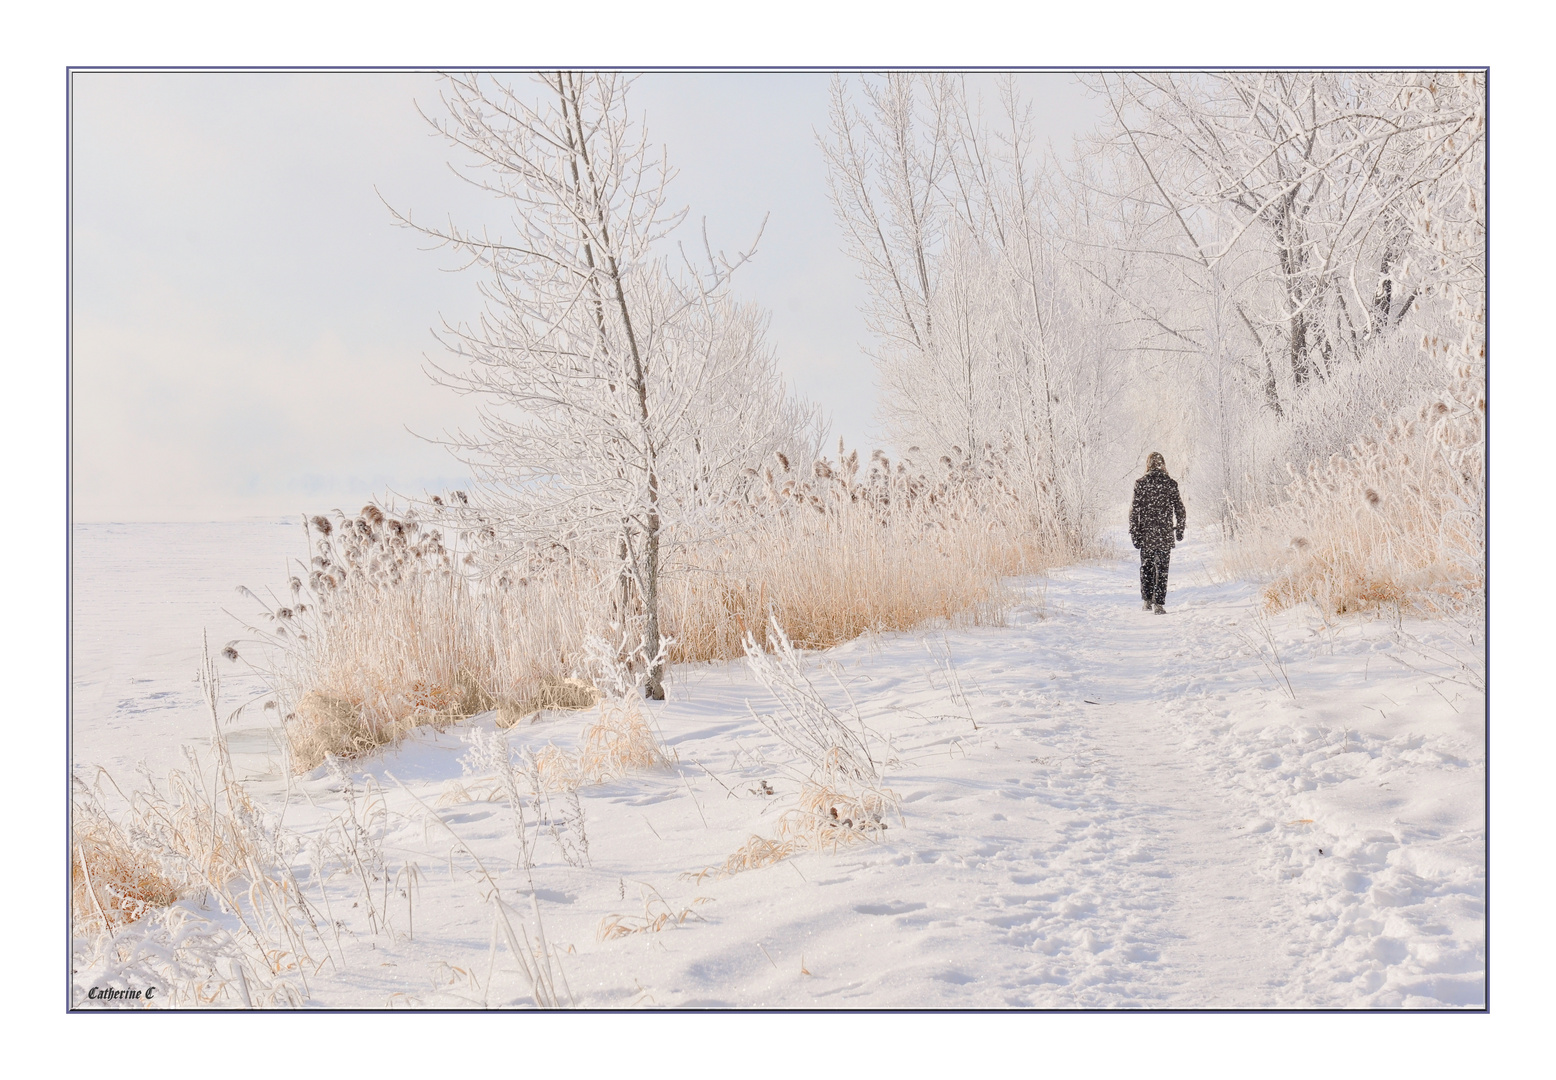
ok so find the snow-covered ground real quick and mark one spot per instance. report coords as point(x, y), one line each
point(1101, 808)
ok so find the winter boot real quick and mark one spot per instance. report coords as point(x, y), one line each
point(1146, 606)
point(1160, 610)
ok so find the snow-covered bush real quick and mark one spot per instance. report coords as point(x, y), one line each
point(841, 798)
point(1397, 520)
point(1395, 515)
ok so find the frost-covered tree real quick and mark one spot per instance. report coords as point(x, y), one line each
point(992, 335)
point(1239, 269)
point(1286, 247)
point(883, 172)
point(622, 389)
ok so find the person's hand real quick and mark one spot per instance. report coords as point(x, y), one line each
point(1180, 534)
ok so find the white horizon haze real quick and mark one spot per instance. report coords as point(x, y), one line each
point(250, 329)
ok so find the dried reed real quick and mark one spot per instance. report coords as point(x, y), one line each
point(388, 629)
point(829, 557)
point(202, 837)
point(113, 881)
point(1396, 522)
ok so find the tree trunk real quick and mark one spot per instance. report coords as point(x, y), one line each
point(649, 570)
point(654, 689)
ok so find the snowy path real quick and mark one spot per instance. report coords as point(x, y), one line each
point(1206, 843)
point(1103, 808)
point(1203, 911)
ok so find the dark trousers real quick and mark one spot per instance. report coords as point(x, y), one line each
point(1153, 576)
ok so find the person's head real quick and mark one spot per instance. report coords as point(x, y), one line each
point(1154, 462)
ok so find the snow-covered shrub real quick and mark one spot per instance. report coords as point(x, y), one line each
point(1399, 519)
point(113, 881)
point(841, 798)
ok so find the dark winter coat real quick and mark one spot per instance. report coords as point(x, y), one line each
point(1151, 517)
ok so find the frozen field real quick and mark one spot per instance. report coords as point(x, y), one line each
point(1101, 808)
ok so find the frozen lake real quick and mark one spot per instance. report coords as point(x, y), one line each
point(141, 596)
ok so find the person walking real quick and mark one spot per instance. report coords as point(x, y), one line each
point(1155, 517)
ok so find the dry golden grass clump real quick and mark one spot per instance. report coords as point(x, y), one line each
point(617, 743)
point(203, 838)
point(387, 630)
point(657, 915)
point(1396, 522)
point(841, 800)
point(828, 817)
point(200, 840)
point(569, 695)
point(754, 854)
point(824, 820)
point(200, 835)
point(196, 838)
point(322, 725)
point(113, 881)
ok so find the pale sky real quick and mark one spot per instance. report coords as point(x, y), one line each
point(249, 329)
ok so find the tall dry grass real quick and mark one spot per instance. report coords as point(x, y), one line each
point(387, 630)
point(391, 627)
point(199, 837)
point(834, 555)
point(1397, 521)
